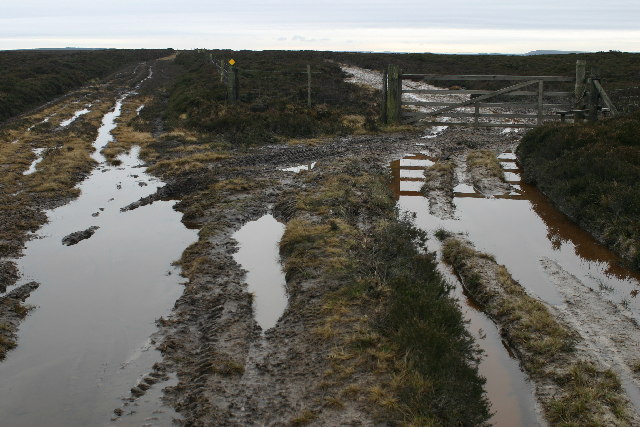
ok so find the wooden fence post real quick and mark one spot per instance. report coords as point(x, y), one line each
point(394, 93)
point(232, 84)
point(222, 71)
point(540, 101)
point(581, 75)
point(594, 95)
point(309, 85)
point(579, 102)
point(383, 101)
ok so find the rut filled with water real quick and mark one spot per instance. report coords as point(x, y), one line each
point(524, 232)
point(87, 341)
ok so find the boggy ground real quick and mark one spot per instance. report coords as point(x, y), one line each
point(329, 360)
point(581, 355)
point(65, 161)
point(352, 346)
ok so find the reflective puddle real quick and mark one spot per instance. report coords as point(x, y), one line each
point(519, 229)
point(258, 254)
point(511, 395)
point(39, 157)
point(300, 168)
point(87, 341)
point(73, 118)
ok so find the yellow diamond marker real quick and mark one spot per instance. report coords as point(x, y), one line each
point(232, 61)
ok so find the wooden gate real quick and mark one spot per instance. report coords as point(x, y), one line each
point(532, 106)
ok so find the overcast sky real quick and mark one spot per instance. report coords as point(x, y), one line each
point(512, 26)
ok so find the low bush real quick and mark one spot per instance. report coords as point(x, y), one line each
point(592, 173)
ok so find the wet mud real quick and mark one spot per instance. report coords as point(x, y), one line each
point(78, 236)
point(209, 360)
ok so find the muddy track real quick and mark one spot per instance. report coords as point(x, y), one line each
point(230, 374)
point(229, 371)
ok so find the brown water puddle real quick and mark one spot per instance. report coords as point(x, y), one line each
point(510, 394)
point(518, 228)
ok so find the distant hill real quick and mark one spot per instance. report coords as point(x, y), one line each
point(551, 52)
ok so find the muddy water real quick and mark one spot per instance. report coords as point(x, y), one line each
point(520, 228)
point(510, 394)
point(258, 254)
point(87, 341)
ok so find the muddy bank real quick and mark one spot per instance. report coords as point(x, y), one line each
point(12, 311)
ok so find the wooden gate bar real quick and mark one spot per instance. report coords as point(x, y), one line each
point(612, 108)
point(487, 77)
point(485, 104)
point(483, 92)
point(483, 97)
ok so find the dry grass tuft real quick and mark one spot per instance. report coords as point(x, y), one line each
point(487, 161)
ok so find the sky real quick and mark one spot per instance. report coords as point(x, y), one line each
point(456, 26)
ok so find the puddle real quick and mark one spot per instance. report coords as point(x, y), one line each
point(73, 118)
point(139, 109)
point(508, 390)
point(464, 189)
point(519, 229)
point(300, 168)
point(104, 133)
point(145, 411)
point(87, 342)
point(258, 254)
point(39, 157)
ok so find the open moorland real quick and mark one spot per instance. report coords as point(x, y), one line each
point(449, 276)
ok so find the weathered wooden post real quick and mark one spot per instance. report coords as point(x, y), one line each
point(578, 97)
point(476, 115)
point(594, 95)
point(394, 93)
point(383, 101)
point(222, 71)
point(309, 85)
point(540, 101)
point(232, 82)
point(581, 76)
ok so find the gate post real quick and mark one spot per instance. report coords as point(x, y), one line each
point(581, 75)
point(579, 94)
point(394, 93)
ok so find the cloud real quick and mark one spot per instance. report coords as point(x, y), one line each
point(406, 25)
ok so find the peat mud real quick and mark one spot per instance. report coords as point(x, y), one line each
point(78, 236)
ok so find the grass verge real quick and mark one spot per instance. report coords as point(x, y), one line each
point(592, 173)
point(397, 339)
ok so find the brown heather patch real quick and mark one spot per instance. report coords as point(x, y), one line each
point(187, 164)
